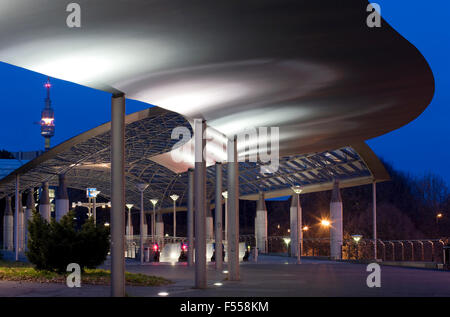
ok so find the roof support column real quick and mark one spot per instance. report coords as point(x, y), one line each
point(218, 217)
point(233, 210)
point(336, 228)
point(8, 226)
point(190, 217)
point(21, 227)
point(374, 218)
point(62, 199)
point(142, 234)
point(17, 207)
point(28, 214)
point(159, 228)
point(200, 204)
point(261, 224)
point(117, 195)
point(294, 225)
point(209, 222)
point(44, 202)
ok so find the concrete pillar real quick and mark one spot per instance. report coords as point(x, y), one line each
point(190, 217)
point(295, 224)
point(61, 199)
point(218, 217)
point(29, 213)
point(209, 222)
point(261, 224)
point(44, 202)
point(8, 226)
point(200, 204)
point(159, 225)
point(233, 211)
point(336, 228)
point(117, 195)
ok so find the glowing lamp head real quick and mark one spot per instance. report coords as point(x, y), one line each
point(287, 240)
point(439, 215)
point(174, 197)
point(297, 189)
point(325, 222)
point(154, 202)
point(184, 247)
point(305, 228)
point(225, 195)
point(356, 237)
point(129, 206)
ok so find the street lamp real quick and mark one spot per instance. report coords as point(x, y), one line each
point(299, 234)
point(225, 196)
point(129, 206)
point(154, 202)
point(357, 238)
point(174, 198)
point(287, 241)
point(325, 223)
point(142, 187)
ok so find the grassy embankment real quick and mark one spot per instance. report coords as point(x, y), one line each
point(25, 272)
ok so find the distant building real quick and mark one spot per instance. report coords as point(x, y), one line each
point(7, 166)
point(28, 155)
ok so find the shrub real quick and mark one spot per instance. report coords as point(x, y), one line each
point(52, 246)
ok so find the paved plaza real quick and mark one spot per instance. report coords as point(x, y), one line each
point(272, 276)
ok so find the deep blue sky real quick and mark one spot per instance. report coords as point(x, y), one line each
point(419, 147)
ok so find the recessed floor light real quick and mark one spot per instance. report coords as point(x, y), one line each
point(218, 284)
point(225, 272)
point(163, 294)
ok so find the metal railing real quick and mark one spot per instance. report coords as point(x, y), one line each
point(425, 250)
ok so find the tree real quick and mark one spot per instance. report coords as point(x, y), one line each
point(52, 246)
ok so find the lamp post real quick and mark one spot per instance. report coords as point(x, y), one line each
point(225, 196)
point(141, 187)
point(154, 202)
point(356, 238)
point(94, 195)
point(174, 198)
point(298, 229)
point(129, 206)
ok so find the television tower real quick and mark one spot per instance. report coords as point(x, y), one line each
point(47, 118)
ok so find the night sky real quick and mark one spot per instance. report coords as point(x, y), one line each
point(418, 147)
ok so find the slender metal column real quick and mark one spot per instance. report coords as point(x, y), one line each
point(94, 210)
point(8, 226)
point(218, 217)
point(233, 211)
point(174, 218)
point(28, 214)
point(21, 224)
point(142, 188)
point(117, 195)
point(200, 204)
point(190, 217)
point(16, 218)
point(374, 211)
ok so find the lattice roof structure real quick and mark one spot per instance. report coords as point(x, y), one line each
point(85, 159)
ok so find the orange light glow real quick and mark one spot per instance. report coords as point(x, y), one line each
point(325, 223)
point(439, 215)
point(305, 228)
